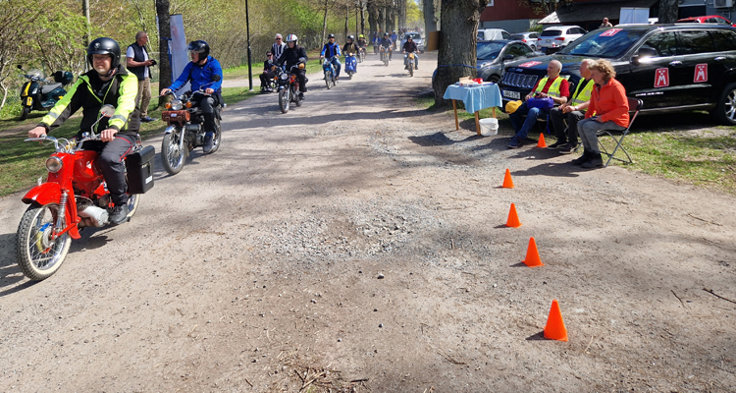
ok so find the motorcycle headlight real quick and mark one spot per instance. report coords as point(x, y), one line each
point(53, 164)
point(301, 66)
point(284, 76)
point(176, 105)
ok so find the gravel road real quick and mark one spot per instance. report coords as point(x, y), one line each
point(357, 243)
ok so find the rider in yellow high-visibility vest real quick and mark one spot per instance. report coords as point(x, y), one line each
point(572, 112)
point(551, 86)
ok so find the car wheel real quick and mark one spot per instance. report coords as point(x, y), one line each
point(725, 111)
point(494, 78)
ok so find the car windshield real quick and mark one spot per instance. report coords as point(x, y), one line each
point(551, 33)
point(611, 43)
point(488, 50)
point(414, 36)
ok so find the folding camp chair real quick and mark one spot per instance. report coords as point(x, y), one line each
point(635, 106)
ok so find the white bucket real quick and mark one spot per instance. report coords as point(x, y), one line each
point(488, 126)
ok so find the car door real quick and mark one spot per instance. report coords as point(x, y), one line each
point(656, 79)
point(696, 48)
point(720, 61)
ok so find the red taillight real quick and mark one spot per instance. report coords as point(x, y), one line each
point(523, 40)
point(560, 39)
point(292, 78)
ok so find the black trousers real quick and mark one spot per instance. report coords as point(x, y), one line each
point(564, 133)
point(266, 78)
point(207, 104)
point(111, 163)
point(301, 76)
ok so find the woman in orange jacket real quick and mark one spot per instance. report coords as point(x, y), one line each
point(608, 110)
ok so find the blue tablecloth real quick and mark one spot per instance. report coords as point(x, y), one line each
point(475, 98)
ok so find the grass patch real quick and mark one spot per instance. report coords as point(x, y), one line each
point(427, 102)
point(707, 157)
point(21, 163)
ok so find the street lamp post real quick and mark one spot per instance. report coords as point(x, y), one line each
point(247, 36)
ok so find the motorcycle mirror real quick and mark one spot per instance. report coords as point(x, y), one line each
point(20, 67)
point(107, 110)
point(215, 78)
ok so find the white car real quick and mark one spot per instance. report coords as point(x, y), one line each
point(554, 38)
point(493, 34)
point(416, 37)
point(529, 37)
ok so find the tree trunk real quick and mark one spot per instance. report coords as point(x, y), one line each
point(430, 18)
point(362, 17)
point(382, 19)
point(402, 14)
point(456, 57)
point(370, 6)
point(324, 23)
point(667, 11)
point(164, 37)
point(347, 19)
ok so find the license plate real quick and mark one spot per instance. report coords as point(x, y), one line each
point(514, 95)
point(173, 115)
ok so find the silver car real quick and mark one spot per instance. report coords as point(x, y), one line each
point(554, 38)
point(528, 37)
point(416, 37)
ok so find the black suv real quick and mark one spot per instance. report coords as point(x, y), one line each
point(670, 67)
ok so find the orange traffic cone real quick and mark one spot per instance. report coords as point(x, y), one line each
point(541, 142)
point(513, 220)
point(507, 182)
point(555, 329)
point(532, 254)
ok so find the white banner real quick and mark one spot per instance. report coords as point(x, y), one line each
point(178, 48)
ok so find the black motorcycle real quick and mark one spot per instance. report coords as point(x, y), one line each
point(185, 129)
point(37, 94)
point(288, 87)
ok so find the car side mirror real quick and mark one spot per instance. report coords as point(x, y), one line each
point(107, 110)
point(643, 53)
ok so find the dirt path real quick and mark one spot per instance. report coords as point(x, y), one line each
point(361, 236)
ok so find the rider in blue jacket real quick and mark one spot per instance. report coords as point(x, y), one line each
point(331, 51)
point(199, 72)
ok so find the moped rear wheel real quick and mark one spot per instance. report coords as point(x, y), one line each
point(133, 202)
point(284, 100)
point(40, 256)
point(172, 156)
point(218, 136)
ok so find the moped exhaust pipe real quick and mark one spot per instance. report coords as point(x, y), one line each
point(97, 216)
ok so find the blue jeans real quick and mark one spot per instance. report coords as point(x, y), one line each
point(522, 128)
point(337, 64)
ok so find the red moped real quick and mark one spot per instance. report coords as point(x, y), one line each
point(73, 196)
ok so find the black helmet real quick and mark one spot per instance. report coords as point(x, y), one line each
point(408, 37)
point(351, 37)
point(200, 47)
point(104, 46)
point(330, 36)
point(385, 34)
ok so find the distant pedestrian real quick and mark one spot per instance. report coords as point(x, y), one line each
point(138, 62)
point(605, 23)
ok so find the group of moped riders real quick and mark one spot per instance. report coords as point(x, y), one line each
point(108, 82)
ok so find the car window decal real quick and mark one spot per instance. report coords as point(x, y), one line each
point(610, 33)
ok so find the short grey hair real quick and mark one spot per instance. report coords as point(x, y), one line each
point(586, 62)
point(278, 36)
point(140, 34)
point(557, 65)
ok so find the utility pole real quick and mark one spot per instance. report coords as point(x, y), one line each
point(85, 10)
point(247, 37)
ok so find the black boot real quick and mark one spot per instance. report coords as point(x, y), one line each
point(582, 159)
point(595, 161)
point(119, 214)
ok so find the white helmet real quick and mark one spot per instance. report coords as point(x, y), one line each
point(291, 38)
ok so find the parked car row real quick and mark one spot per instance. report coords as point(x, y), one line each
point(670, 67)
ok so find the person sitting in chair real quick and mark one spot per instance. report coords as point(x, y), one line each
point(552, 86)
point(608, 110)
point(572, 112)
point(268, 73)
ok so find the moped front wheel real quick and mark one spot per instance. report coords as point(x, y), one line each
point(328, 81)
point(39, 254)
point(172, 156)
point(284, 100)
point(24, 112)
